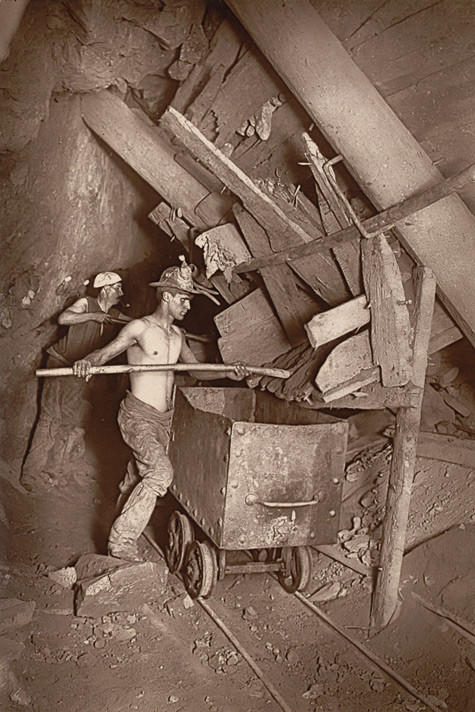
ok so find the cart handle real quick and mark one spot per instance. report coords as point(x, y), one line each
point(254, 499)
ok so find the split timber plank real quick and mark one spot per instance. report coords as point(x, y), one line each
point(316, 161)
point(345, 362)
point(354, 385)
point(329, 220)
point(250, 331)
point(223, 52)
point(332, 377)
point(348, 256)
point(144, 148)
point(381, 153)
point(309, 211)
point(403, 462)
point(322, 274)
point(390, 324)
point(334, 216)
point(291, 304)
point(271, 217)
point(336, 322)
point(316, 270)
point(299, 386)
point(248, 84)
point(446, 448)
point(291, 358)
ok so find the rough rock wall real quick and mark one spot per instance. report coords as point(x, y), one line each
point(89, 45)
point(69, 211)
point(70, 208)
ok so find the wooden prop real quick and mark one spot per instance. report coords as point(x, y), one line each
point(390, 325)
point(403, 462)
point(383, 221)
point(217, 367)
point(317, 162)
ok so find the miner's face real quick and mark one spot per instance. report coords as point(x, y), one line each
point(114, 292)
point(179, 304)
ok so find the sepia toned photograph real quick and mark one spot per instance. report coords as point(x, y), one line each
point(237, 331)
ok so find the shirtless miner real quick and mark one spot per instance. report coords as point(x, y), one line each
point(146, 412)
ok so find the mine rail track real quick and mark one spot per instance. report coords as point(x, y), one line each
point(363, 650)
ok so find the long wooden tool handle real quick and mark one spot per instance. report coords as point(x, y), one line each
point(219, 367)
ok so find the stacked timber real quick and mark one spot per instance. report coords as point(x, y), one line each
point(331, 311)
point(375, 363)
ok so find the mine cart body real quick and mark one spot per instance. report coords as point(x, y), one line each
point(255, 472)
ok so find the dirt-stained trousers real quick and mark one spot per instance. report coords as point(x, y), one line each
point(146, 431)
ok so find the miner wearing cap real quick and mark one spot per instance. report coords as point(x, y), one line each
point(146, 412)
point(92, 322)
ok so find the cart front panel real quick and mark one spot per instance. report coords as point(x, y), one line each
point(284, 485)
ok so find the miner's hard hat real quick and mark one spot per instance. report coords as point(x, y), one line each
point(105, 279)
point(177, 279)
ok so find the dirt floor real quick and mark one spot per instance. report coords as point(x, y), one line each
point(166, 653)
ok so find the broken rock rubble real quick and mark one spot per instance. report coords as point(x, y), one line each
point(111, 586)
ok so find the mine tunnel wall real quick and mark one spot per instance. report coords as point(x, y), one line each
point(70, 207)
point(70, 211)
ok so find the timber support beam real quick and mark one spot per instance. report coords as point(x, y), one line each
point(383, 156)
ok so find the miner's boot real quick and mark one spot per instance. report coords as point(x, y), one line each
point(130, 524)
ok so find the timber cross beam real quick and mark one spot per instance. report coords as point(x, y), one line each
point(383, 221)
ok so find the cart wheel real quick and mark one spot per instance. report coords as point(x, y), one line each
point(296, 574)
point(179, 536)
point(200, 572)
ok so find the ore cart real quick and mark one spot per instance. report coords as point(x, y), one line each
point(254, 474)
